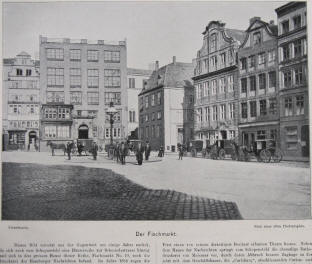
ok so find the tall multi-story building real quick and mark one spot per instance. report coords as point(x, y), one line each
point(20, 103)
point(78, 80)
point(161, 105)
point(215, 81)
point(136, 80)
point(258, 85)
point(293, 79)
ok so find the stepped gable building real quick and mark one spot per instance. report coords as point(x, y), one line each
point(258, 85)
point(79, 79)
point(136, 80)
point(215, 81)
point(20, 103)
point(161, 105)
point(293, 79)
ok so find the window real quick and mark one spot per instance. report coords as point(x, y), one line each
point(261, 134)
point(153, 116)
point(231, 56)
point(273, 134)
point(93, 78)
point(111, 56)
point(62, 113)
point(200, 115)
point(158, 115)
point(262, 81)
point(131, 82)
point(75, 78)
point(55, 54)
point(288, 106)
point(113, 97)
point(231, 83)
point(153, 100)
point(261, 58)
point(263, 107)
point(132, 117)
point(256, 38)
point(222, 112)
point(158, 131)
point(93, 98)
point(285, 26)
point(252, 83)
point(146, 118)
point(271, 55)
point(50, 131)
point(93, 55)
point(272, 106)
point(272, 79)
point(252, 61)
point(19, 72)
point(243, 64)
point(286, 52)
point(158, 98)
point(297, 22)
point(112, 78)
point(244, 110)
point(28, 72)
point(75, 98)
point(253, 108)
point(291, 135)
point(214, 113)
point(107, 133)
point(297, 48)
point(63, 132)
point(299, 75)
point(231, 110)
point(207, 114)
point(214, 86)
point(213, 61)
point(300, 105)
point(213, 42)
point(55, 97)
point(146, 101)
point(75, 54)
point(223, 58)
point(222, 85)
point(287, 79)
point(244, 85)
point(55, 77)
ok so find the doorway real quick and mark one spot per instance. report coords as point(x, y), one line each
point(305, 142)
point(223, 134)
point(83, 132)
point(32, 141)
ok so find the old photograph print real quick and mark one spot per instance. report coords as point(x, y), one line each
point(155, 111)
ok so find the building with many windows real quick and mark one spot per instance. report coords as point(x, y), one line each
point(136, 80)
point(215, 81)
point(293, 79)
point(78, 80)
point(258, 85)
point(161, 120)
point(20, 103)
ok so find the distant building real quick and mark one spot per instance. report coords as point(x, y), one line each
point(293, 79)
point(79, 79)
point(258, 83)
point(136, 80)
point(20, 103)
point(215, 81)
point(161, 105)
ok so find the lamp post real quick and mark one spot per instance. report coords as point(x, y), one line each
point(111, 111)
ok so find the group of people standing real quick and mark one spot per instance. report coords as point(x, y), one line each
point(71, 145)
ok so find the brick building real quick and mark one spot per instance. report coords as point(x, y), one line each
point(258, 85)
point(215, 81)
point(161, 105)
point(78, 80)
point(20, 103)
point(293, 79)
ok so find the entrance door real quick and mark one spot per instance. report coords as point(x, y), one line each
point(305, 142)
point(245, 139)
point(223, 134)
point(83, 132)
point(32, 139)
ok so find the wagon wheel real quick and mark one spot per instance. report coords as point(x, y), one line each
point(265, 155)
point(277, 155)
point(221, 154)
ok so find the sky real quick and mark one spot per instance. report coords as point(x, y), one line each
point(153, 30)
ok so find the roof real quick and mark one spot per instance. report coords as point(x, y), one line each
point(23, 54)
point(289, 7)
point(134, 71)
point(177, 74)
point(236, 34)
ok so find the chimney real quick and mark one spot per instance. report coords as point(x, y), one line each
point(271, 22)
point(253, 19)
point(156, 65)
point(174, 60)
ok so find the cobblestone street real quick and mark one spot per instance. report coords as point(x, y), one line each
point(159, 189)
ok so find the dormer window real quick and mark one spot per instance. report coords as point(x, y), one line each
point(213, 42)
point(297, 22)
point(256, 38)
point(285, 26)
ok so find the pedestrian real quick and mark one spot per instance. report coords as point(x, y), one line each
point(161, 151)
point(122, 153)
point(117, 152)
point(94, 150)
point(147, 150)
point(68, 149)
point(79, 148)
point(139, 153)
point(180, 150)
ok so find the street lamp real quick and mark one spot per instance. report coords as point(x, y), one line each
point(111, 111)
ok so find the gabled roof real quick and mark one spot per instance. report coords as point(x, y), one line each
point(271, 28)
point(135, 71)
point(235, 34)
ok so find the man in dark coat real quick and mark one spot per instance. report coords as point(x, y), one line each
point(117, 152)
point(122, 153)
point(180, 150)
point(139, 153)
point(79, 148)
point(161, 151)
point(147, 150)
point(94, 150)
point(68, 149)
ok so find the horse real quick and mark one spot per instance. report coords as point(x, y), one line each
point(54, 146)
